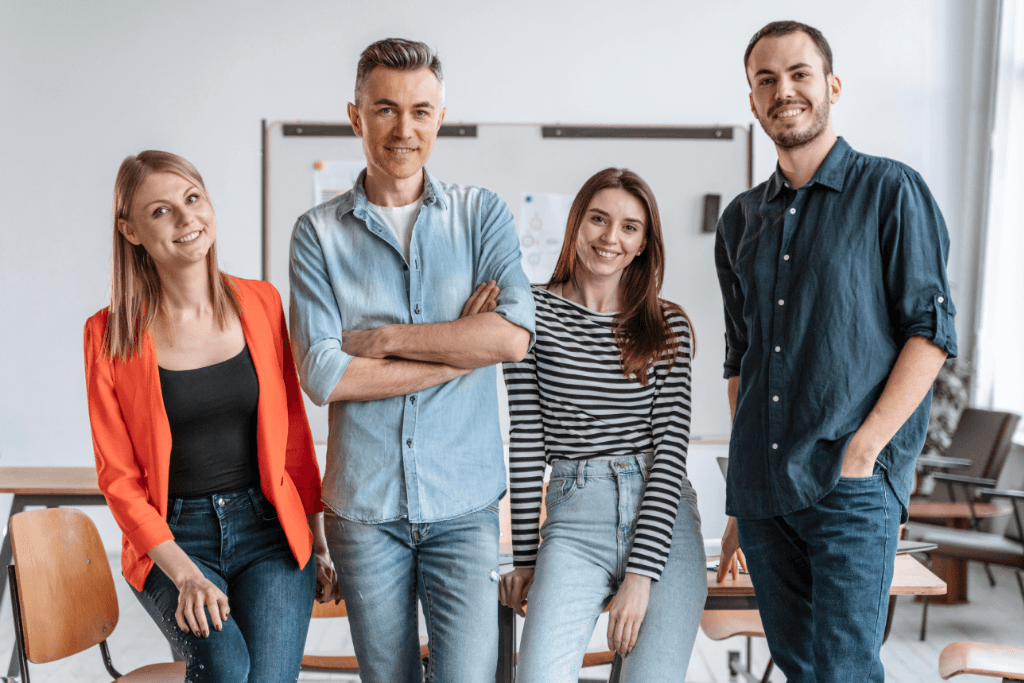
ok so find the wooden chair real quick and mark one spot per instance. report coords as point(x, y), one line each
point(969, 544)
point(722, 624)
point(982, 659)
point(340, 663)
point(63, 596)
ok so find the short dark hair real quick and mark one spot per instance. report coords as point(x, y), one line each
point(397, 53)
point(785, 28)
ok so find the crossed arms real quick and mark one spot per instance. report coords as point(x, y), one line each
point(395, 360)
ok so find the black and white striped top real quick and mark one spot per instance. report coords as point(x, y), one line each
point(569, 400)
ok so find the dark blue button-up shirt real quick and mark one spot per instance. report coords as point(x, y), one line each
point(822, 286)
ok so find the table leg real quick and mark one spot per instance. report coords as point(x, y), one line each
point(954, 572)
point(506, 645)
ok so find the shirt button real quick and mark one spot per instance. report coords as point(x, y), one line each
point(416, 310)
point(777, 349)
point(941, 299)
point(782, 302)
point(412, 400)
point(408, 442)
point(786, 184)
point(792, 210)
point(786, 257)
point(775, 446)
point(775, 398)
point(220, 502)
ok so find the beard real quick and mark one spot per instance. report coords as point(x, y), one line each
point(791, 139)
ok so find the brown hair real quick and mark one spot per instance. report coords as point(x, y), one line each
point(785, 28)
point(134, 281)
point(641, 328)
point(397, 53)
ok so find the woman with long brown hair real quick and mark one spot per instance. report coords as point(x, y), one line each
point(604, 398)
point(202, 446)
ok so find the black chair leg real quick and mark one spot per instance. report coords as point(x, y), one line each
point(991, 578)
point(924, 618)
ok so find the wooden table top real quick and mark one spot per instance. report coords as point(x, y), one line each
point(934, 509)
point(71, 481)
point(910, 578)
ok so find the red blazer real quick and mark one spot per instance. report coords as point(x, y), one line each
point(132, 438)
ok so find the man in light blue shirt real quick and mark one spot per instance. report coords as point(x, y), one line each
point(405, 292)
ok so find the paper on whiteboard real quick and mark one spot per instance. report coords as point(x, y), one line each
point(542, 218)
point(331, 178)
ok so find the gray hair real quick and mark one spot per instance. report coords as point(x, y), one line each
point(401, 54)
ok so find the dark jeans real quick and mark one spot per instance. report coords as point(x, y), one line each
point(822, 577)
point(237, 542)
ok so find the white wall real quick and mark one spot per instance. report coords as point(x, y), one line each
point(82, 84)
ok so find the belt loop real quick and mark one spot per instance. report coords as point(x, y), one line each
point(255, 501)
point(641, 462)
point(580, 467)
point(174, 512)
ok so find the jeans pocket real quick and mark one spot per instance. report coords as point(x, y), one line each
point(559, 490)
point(267, 511)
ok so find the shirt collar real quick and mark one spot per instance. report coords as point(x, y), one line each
point(355, 199)
point(831, 173)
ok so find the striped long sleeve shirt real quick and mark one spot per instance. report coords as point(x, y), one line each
point(569, 400)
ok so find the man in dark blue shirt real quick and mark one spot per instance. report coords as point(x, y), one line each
point(838, 318)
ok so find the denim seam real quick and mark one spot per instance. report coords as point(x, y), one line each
point(885, 553)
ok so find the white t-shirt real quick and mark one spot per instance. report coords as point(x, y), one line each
point(400, 219)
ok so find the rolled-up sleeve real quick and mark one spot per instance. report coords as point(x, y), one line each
point(732, 295)
point(915, 250)
point(315, 320)
point(501, 260)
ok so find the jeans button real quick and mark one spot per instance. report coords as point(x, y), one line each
point(220, 502)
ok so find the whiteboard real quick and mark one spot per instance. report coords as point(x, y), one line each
point(513, 159)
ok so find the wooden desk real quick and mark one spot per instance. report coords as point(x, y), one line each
point(958, 516)
point(43, 487)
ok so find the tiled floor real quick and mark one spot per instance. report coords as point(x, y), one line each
point(994, 615)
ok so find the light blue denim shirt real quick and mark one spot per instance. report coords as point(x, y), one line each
point(435, 454)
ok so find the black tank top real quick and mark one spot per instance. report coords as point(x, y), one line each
point(212, 413)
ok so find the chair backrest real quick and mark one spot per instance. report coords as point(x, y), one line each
point(66, 591)
point(984, 437)
point(328, 610)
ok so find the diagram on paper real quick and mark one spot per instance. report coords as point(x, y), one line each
point(542, 218)
point(331, 178)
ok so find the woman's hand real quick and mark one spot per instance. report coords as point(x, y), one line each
point(326, 579)
point(627, 613)
point(196, 594)
point(482, 300)
point(513, 587)
point(730, 552)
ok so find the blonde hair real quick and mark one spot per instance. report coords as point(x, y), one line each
point(134, 282)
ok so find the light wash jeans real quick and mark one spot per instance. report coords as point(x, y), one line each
point(451, 565)
point(592, 508)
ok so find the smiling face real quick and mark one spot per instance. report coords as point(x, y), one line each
point(790, 94)
point(171, 218)
point(612, 234)
point(398, 116)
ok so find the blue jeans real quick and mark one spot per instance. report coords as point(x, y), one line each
point(452, 566)
point(239, 546)
point(822, 577)
point(592, 509)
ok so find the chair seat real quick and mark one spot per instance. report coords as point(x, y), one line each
point(722, 624)
point(172, 672)
point(982, 659)
point(344, 663)
point(598, 658)
point(968, 544)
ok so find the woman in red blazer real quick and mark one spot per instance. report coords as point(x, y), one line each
point(202, 446)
